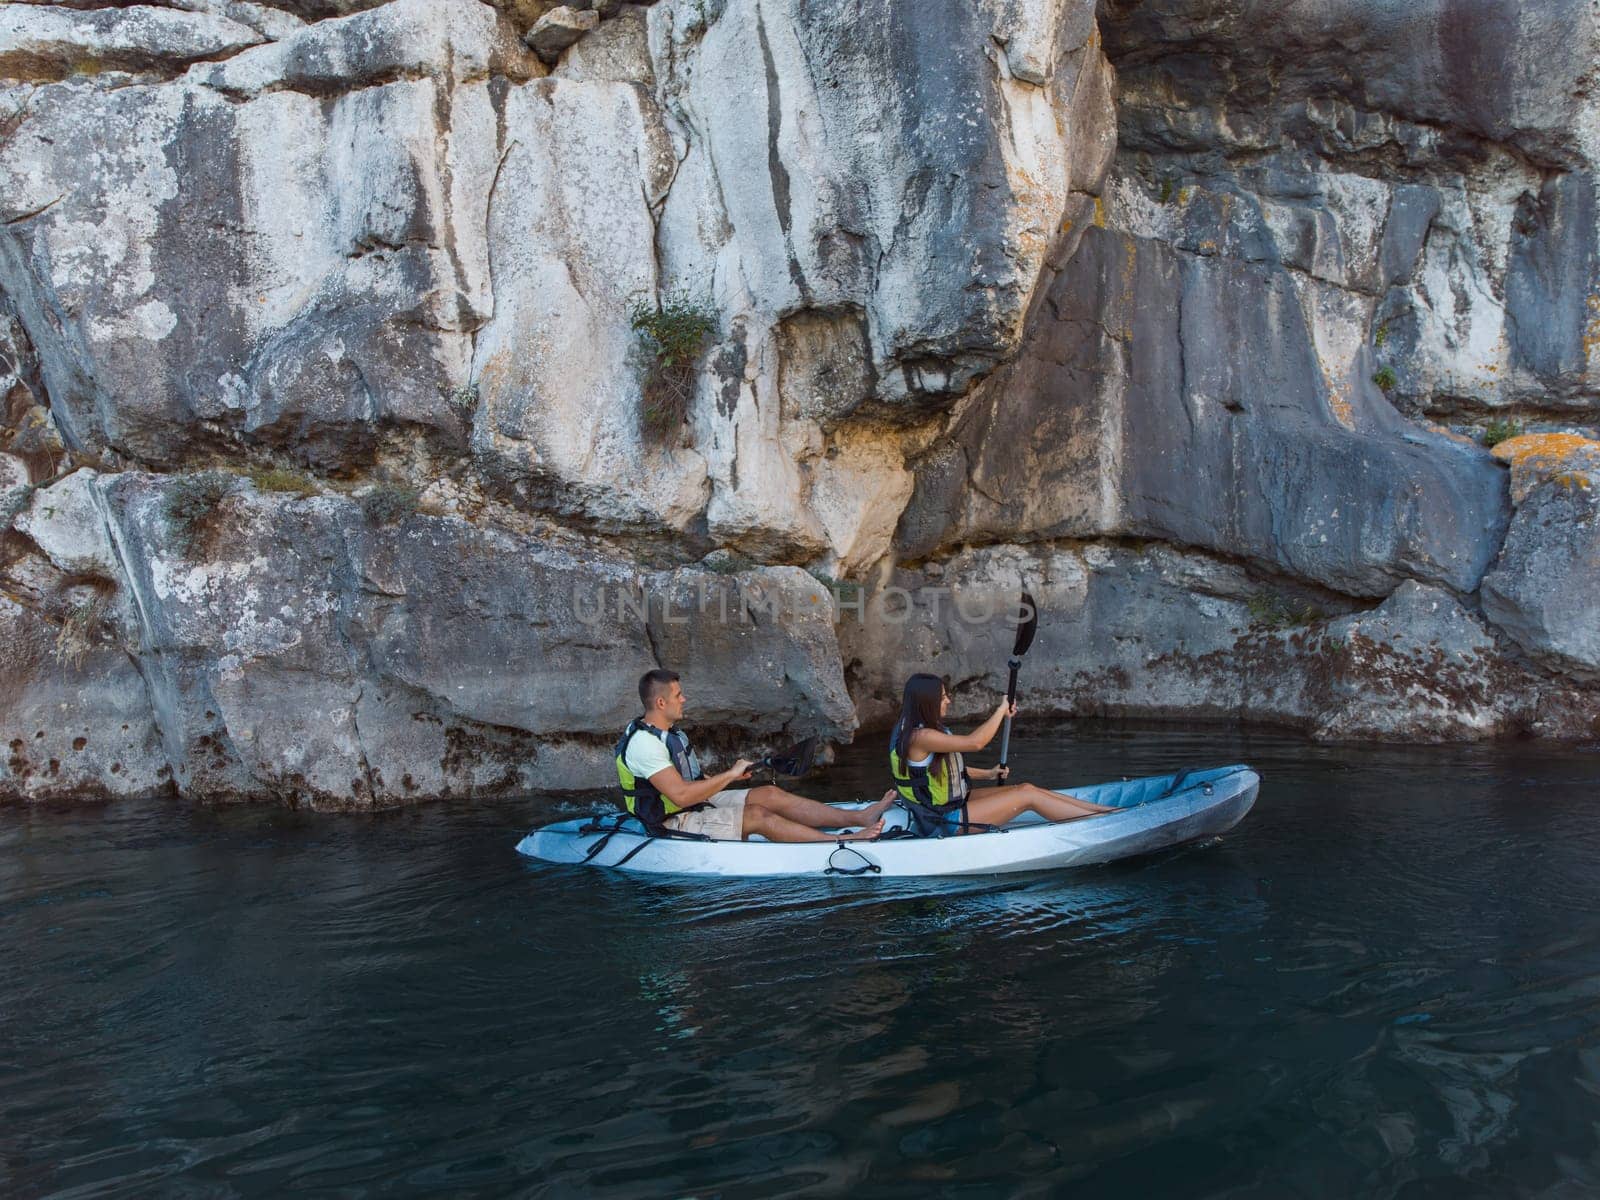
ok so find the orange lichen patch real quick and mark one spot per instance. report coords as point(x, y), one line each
point(1536, 457)
point(1339, 400)
point(1099, 213)
point(1343, 412)
point(1545, 446)
point(1446, 431)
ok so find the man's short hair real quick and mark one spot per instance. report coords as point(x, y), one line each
point(653, 683)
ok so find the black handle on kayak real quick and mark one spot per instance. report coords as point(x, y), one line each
point(868, 867)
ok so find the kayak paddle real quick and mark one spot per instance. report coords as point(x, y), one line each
point(793, 762)
point(1028, 618)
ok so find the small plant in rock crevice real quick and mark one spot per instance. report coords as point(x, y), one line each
point(1386, 379)
point(463, 399)
point(843, 590)
point(1270, 611)
point(190, 505)
point(80, 630)
point(728, 564)
point(672, 335)
point(277, 479)
point(389, 504)
point(1498, 431)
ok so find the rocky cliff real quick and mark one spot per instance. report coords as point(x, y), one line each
point(337, 467)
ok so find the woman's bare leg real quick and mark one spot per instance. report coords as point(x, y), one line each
point(996, 806)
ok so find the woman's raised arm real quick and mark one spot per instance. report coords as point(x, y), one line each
point(937, 741)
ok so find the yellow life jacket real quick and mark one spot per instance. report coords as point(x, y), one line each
point(923, 785)
point(641, 797)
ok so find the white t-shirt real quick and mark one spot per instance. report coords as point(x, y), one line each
point(646, 755)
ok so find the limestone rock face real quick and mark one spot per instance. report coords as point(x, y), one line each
point(1183, 397)
point(1437, 158)
point(74, 728)
point(1329, 229)
point(1545, 589)
point(1139, 632)
point(66, 523)
point(256, 261)
point(1191, 315)
point(571, 249)
point(1418, 667)
point(290, 647)
point(51, 43)
point(914, 181)
point(384, 224)
point(558, 29)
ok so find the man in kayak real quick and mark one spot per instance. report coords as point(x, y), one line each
point(932, 778)
point(663, 785)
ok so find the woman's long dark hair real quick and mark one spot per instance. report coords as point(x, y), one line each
point(919, 709)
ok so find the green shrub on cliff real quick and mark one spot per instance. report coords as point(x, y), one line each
point(672, 335)
point(190, 504)
point(1386, 379)
point(1498, 431)
point(277, 479)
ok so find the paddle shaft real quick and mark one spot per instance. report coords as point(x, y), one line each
point(1011, 698)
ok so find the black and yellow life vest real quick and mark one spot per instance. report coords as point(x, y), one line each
point(641, 797)
point(926, 786)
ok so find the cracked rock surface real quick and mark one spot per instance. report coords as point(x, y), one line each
point(1193, 314)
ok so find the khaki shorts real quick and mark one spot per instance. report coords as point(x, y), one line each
point(723, 820)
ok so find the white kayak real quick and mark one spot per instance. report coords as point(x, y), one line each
point(1154, 814)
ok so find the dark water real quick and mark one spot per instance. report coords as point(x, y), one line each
point(1385, 983)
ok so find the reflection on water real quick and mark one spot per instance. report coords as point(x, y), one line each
point(1386, 982)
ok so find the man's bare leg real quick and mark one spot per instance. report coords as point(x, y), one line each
point(813, 813)
point(776, 828)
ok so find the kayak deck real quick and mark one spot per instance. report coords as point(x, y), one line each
point(1154, 813)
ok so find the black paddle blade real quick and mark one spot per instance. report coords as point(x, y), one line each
point(1028, 615)
point(795, 761)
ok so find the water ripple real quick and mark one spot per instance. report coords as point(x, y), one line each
point(1386, 983)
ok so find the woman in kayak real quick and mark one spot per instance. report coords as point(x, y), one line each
point(932, 778)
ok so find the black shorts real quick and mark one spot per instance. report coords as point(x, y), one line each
point(936, 823)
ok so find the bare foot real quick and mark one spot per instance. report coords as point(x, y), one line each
point(870, 832)
point(874, 812)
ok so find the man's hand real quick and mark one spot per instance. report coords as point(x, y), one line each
point(741, 769)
